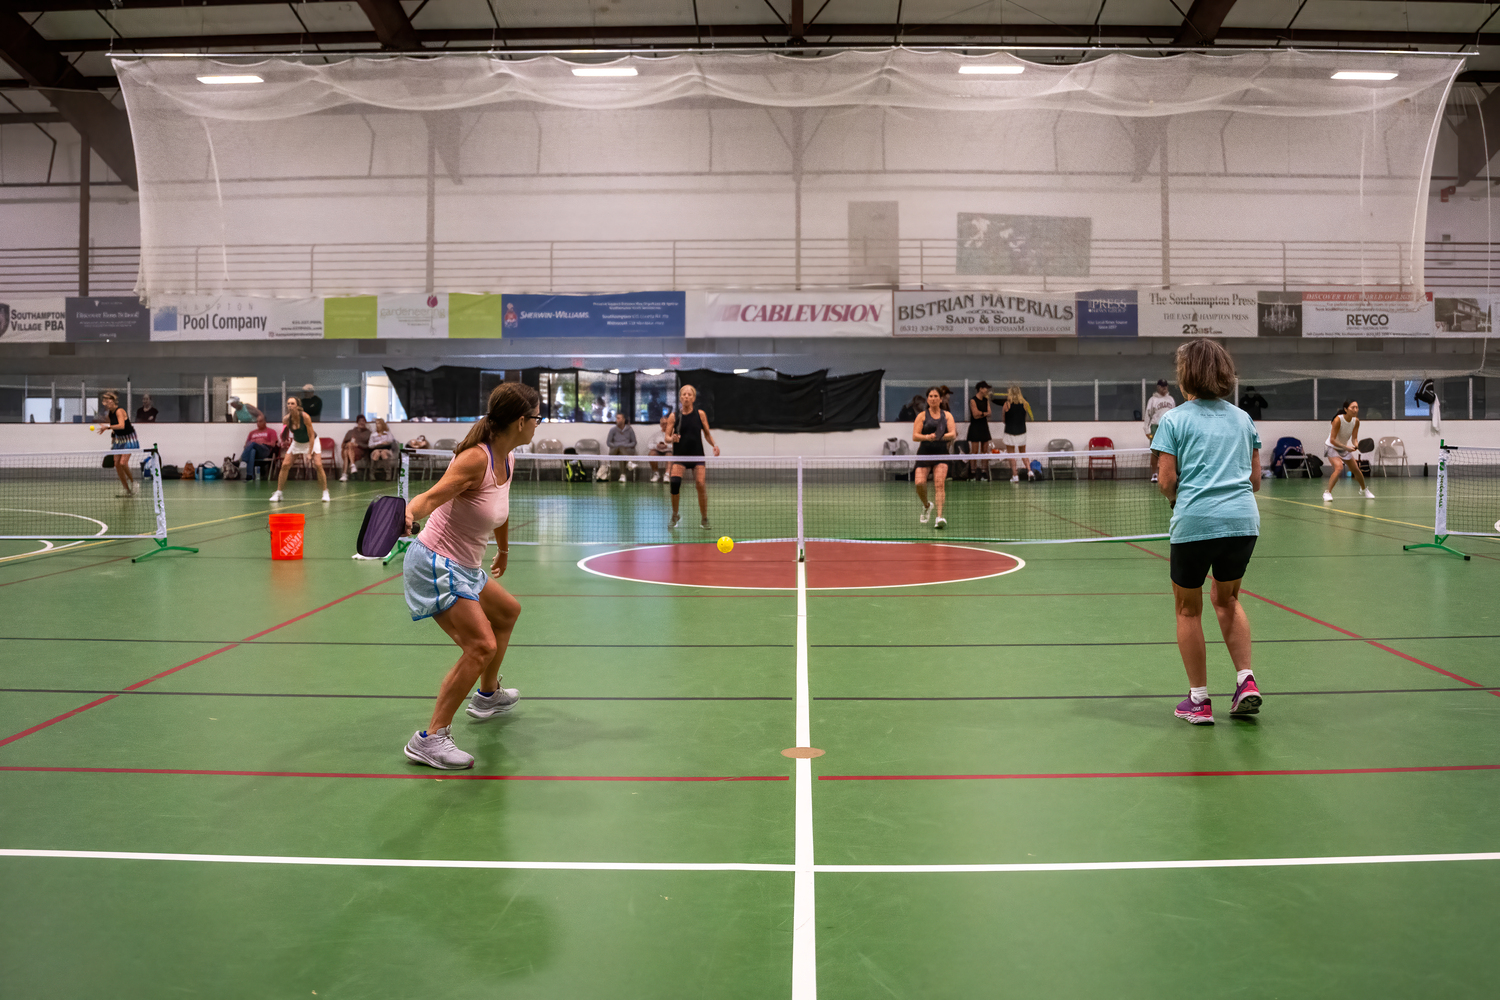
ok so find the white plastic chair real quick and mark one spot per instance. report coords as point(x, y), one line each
point(1391, 451)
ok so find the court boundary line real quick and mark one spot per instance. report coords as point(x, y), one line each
point(1020, 564)
point(804, 895)
point(1162, 774)
point(653, 866)
point(411, 775)
point(183, 666)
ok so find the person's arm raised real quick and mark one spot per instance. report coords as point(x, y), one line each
point(466, 471)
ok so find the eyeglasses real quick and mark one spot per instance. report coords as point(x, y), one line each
point(533, 416)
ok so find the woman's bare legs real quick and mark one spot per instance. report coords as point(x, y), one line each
point(700, 480)
point(482, 630)
point(122, 470)
point(920, 481)
point(940, 491)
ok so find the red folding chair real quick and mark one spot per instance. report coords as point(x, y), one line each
point(1102, 461)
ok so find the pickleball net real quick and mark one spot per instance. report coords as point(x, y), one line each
point(1076, 496)
point(1468, 496)
point(74, 497)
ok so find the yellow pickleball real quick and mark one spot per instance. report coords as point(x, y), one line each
point(726, 544)
point(91, 426)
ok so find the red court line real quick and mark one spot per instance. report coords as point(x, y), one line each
point(183, 666)
point(1155, 774)
point(441, 775)
point(1353, 635)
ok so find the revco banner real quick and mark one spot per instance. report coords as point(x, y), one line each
point(1367, 314)
point(798, 314)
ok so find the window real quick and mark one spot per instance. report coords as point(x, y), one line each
point(1414, 407)
point(1454, 393)
point(655, 396)
point(598, 397)
point(1288, 400)
point(1121, 400)
point(380, 400)
point(1073, 402)
point(1374, 397)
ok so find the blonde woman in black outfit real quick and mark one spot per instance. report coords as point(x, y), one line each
point(932, 430)
point(687, 429)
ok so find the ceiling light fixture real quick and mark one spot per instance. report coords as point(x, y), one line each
point(232, 78)
point(652, 371)
point(1351, 74)
point(742, 371)
point(1006, 69)
point(604, 71)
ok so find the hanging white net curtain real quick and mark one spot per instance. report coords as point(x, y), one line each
point(864, 168)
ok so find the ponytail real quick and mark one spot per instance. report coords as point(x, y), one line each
point(509, 402)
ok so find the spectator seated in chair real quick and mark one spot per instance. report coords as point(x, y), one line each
point(621, 441)
point(382, 449)
point(356, 446)
point(260, 446)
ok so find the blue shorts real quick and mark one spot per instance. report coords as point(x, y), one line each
point(434, 583)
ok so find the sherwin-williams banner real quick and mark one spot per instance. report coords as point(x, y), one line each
point(191, 317)
point(1367, 314)
point(32, 319)
point(633, 314)
point(983, 314)
point(1198, 312)
point(1111, 313)
point(797, 314)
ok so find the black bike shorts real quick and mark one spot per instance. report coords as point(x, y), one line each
point(1227, 557)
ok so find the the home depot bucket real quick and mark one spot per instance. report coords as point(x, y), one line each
point(286, 536)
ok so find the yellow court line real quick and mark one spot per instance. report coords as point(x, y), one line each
point(1347, 513)
point(170, 528)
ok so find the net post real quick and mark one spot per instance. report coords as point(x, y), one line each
point(1440, 515)
point(801, 541)
point(152, 461)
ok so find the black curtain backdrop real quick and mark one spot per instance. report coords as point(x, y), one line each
point(448, 392)
point(812, 403)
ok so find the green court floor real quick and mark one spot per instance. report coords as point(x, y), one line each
point(247, 716)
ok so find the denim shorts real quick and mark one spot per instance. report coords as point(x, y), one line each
point(434, 583)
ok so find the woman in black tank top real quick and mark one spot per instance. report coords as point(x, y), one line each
point(979, 426)
point(686, 430)
point(122, 439)
point(1015, 411)
point(932, 430)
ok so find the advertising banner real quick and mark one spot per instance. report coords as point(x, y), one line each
point(412, 317)
point(475, 316)
point(106, 317)
point(798, 314)
point(1220, 311)
point(1278, 314)
point(1024, 244)
point(983, 314)
point(32, 319)
point(1367, 314)
point(631, 314)
point(1110, 313)
point(198, 317)
point(1463, 312)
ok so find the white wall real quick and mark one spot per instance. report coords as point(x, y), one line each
point(212, 442)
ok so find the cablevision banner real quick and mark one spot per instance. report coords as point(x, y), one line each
point(797, 314)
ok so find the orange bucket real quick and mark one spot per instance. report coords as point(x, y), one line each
point(286, 536)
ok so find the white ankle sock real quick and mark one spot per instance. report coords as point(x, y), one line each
point(1199, 695)
point(1240, 675)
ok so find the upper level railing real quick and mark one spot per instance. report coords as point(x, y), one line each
point(630, 265)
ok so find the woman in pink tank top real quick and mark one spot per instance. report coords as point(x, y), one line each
point(443, 577)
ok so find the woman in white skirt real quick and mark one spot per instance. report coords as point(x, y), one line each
point(1342, 448)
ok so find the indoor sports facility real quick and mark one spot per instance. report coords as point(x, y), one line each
point(845, 393)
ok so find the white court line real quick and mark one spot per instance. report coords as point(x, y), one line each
point(648, 866)
point(804, 924)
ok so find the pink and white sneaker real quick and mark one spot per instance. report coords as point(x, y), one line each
point(1199, 714)
point(1246, 698)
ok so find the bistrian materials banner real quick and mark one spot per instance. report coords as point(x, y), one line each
point(797, 314)
point(1198, 312)
point(984, 314)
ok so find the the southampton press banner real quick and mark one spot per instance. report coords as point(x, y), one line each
point(1220, 311)
point(797, 314)
point(984, 314)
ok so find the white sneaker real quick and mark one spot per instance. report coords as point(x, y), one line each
point(344, 478)
point(656, 477)
point(326, 497)
point(1367, 494)
point(436, 749)
point(124, 493)
point(676, 520)
point(622, 477)
point(1015, 478)
point(1327, 497)
point(926, 513)
point(275, 496)
point(1153, 477)
point(940, 523)
point(498, 702)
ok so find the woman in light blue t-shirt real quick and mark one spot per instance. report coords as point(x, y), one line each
point(1209, 456)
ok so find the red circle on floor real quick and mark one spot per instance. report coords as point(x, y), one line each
point(830, 565)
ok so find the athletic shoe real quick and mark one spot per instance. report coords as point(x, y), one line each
point(1198, 715)
point(703, 524)
point(1367, 494)
point(1030, 476)
point(326, 497)
point(1246, 698)
point(926, 513)
point(940, 523)
point(344, 478)
point(436, 749)
point(495, 703)
point(1015, 478)
point(676, 520)
point(125, 493)
point(275, 496)
point(1153, 477)
point(622, 477)
point(656, 477)
point(1327, 497)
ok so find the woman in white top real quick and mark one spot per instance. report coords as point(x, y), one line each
point(443, 580)
point(1156, 407)
point(381, 441)
point(1342, 447)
